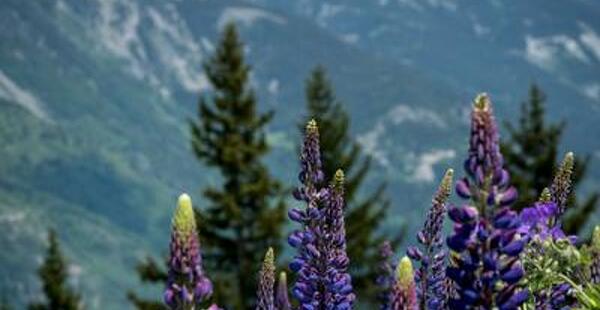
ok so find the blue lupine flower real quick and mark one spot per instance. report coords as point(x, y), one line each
point(430, 276)
point(321, 263)
point(485, 245)
point(561, 184)
point(385, 277)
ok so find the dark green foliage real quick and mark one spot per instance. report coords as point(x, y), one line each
point(142, 304)
point(531, 156)
point(245, 214)
point(149, 272)
point(365, 213)
point(53, 274)
point(4, 305)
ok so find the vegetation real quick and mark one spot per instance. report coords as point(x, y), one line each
point(531, 154)
point(366, 212)
point(54, 276)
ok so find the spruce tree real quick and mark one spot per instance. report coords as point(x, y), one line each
point(531, 156)
point(366, 210)
point(53, 274)
point(245, 213)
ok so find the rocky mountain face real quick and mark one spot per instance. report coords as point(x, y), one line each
point(95, 96)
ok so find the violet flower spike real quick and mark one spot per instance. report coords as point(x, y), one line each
point(403, 295)
point(561, 185)
point(484, 265)
point(385, 277)
point(338, 280)
point(595, 255)
point(487, 183)
point(282, 301)
point(431, 273)
point(321, 262)
point(266, 283)
point(187, 285)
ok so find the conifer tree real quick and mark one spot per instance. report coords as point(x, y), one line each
point(53, 274)
point(530, 152)
point(245, 214)
point(366, 212)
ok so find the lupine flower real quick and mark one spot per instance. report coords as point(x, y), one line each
point(338, 280)
point(431, 274)
point(487, 183)
point(403, 295)
point(321, 263)
point(561, 185)
point(484, 263)
point(553, 298)
point(282, 301)
point(595, 253)
point(266, 283)
point(385, 277)
point(186, 285)
point(535, 222)
point(308, 240)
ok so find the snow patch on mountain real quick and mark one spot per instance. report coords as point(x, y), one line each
point(592, 91)
point(400, 114)
point(117, 28)
point(424, 164)
point(350, 38)
point(328, 11)
point(247, 16)
point(178, 50)
point(273, 87)
point(449, 5)
point(405, 113)
point(546, 52)
point(11, 91)
point(590, 40)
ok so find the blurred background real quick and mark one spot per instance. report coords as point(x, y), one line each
point(97, 99)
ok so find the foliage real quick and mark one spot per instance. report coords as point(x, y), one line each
point(366, 212)
point(242, 217)
point(530, 152)
point(54, 276)
point(589, 297)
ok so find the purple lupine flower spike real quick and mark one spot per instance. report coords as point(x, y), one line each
point(338, 280)
point(308, 241)
point(430, 276)
point(485, 245)
point(595, 253)
point(321, 264)
point(403, 295)
point(266, 283)
point(487, 182)
point(385, 277)
point(561, 184)
point(186, 285)
point(282, 301)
